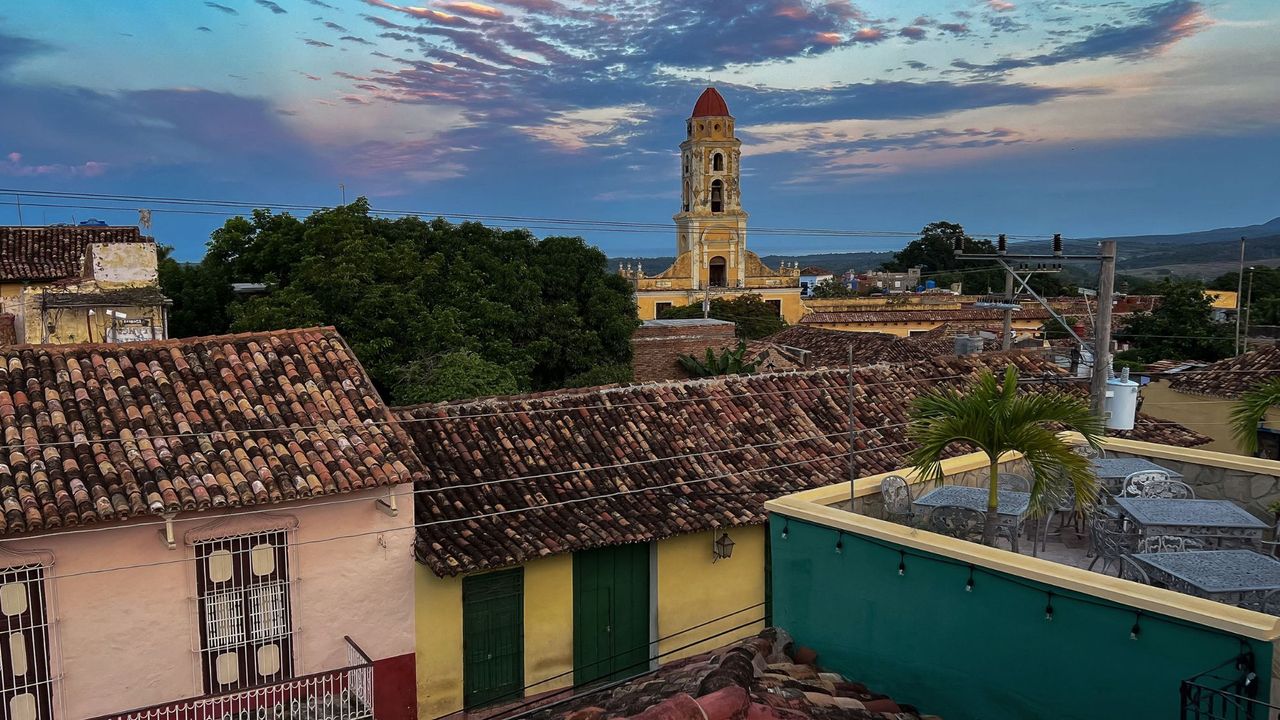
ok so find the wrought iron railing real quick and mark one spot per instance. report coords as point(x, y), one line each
point(342, 694)
point(1227, 692)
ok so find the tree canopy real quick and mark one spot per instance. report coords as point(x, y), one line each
point(934, 253)
point(1263, 303)
point(435, 311)
point(1180, 328)
point(754, 317)
point(833, 287)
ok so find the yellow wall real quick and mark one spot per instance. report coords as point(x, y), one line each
point(548, 633)
point(693, 590)
point(646, 301)
point(438, 610)
point(1206, 415)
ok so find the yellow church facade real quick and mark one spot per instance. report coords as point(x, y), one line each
point(712, 259)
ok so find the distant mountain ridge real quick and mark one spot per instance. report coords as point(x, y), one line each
point(1269, 228)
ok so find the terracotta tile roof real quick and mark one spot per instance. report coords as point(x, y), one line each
point(100, 433)
point(762, 678)
point(1231, 377)
point(635, 463)
point(53, 252)
point(829, 348)
point(924, 315)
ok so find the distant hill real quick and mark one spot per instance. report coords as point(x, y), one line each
point(1204, 254)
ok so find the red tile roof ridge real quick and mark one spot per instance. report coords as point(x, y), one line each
point(172, 342)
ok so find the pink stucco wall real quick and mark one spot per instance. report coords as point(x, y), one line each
point(127, 638)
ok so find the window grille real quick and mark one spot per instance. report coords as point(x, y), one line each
point(246, 622)
point(26, 686)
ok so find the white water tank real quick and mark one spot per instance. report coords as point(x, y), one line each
point(1122, 401)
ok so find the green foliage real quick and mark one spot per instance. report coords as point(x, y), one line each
point(934, 252)
point(1180, 328)
point(601, 375)
point(1251, 410)
point(996, 418)
point(754, 317)
point(730, 361)
point(433, 310)
point(833, 287)
point(1263, 303)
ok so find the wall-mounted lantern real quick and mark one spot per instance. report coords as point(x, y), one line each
point(722, 548)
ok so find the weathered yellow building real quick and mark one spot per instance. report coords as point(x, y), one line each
point(73, 284)
point(712, 258)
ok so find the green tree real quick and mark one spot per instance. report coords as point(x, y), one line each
point(1263, 303)
point(833, 287)
point(934, 253)
point(997, 419)
point(730, 361)
point(1250, 410)
point(1179, 328)
point(754, 318)
point(432, 309)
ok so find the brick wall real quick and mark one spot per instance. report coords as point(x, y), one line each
point(655, 347)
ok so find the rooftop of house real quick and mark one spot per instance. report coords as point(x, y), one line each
point(828, 348)
point(1231, 377)
point(915, 313)
point(815, 270)
point(511, 479)
point(685, 322)
point(99, 433)
point(53, 252)
point(766, 677)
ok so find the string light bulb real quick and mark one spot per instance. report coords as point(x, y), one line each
point(840, 542)
point(1136, 630)
point(902, 563)
point(968, 585)
point(786, 528)
point(1048, 608)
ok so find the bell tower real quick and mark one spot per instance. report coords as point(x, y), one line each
point(711, 224)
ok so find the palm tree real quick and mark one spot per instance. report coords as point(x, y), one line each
point(1251, 410)
point(997, 419)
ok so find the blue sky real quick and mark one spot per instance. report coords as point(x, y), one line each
point(1019, 116)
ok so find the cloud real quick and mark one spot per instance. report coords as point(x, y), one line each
point(202, 28)
point(1151, 30)
point(320, 3)
point(222, 8)
point(316, 43)
point(271, 6)
point(335, 26)
point(868, 35)
point(956, 29)
point(577, 130)
point(422, 13)
point(17, 168)
point(473, 9)
point(916, 65)
point(354, 39)
point(912, 32)
point(1001, 5)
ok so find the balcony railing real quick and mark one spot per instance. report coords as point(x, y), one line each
point(1227, 692)
point(342, 694)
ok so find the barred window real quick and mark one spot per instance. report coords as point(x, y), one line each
point(246, 623)
point(26, 687)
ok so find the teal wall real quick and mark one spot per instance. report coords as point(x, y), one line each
point(985, 654)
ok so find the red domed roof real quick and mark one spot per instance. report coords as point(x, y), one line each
point(710, 104)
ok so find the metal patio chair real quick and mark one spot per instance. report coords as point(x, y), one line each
point(1155, 484)
point(896, 496)
point(957, 522)
point(1110, 539)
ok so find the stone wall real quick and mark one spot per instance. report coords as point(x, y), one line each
point(656, 345)
point(1250, 490)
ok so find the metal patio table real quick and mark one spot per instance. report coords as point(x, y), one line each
point(1238, 577)
point(1111, 472)
point(1217, 520)
point(1011, 510)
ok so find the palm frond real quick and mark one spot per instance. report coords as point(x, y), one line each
point(1250, 410)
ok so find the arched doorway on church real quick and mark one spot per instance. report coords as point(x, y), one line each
point(716, 276)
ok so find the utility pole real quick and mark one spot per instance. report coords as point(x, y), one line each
point(1006, 337)
point(1239, 293)
point(19, 197)
point(342, 187)
point(706, 301)
point(853, 497)
point(1248, 315)
point(1102, 329)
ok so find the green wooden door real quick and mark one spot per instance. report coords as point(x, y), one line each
point(493, 637)
point(610, 613)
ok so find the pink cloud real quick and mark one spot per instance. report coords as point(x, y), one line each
point(473, 9)
point(868, 35)
point(1001, 5)
point(422, 13)
point(15, 167)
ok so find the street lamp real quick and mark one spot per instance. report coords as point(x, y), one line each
point(723, 548)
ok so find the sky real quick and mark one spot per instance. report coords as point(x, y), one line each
point(1029, 117)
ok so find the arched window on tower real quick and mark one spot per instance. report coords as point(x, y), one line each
point(716, 276)
point(717, 196)
point(685, 197)
point(717, 162)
